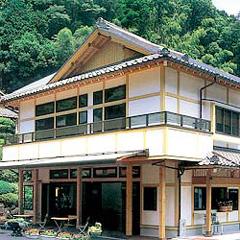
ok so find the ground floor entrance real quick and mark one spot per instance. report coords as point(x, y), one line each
point(103, 202)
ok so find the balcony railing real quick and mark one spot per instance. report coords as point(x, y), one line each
point(140, 121)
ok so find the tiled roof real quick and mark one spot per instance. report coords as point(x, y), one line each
point(222, 158)
point(4, 112)
point(156, 53)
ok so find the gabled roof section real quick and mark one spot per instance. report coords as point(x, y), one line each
point(104, 32)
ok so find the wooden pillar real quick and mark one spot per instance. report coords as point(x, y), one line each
point(35, 195)
point(20, 191)
point(162, 203)
point(79, 197)
point(208, 203)
point(129, 187)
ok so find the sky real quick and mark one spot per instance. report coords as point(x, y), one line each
point(230, 6)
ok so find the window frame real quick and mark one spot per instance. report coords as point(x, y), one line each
point(83, 96)
point(42, 119)
point(65, 115)
point(66, 99)
point(107, 95)
point(42, 105)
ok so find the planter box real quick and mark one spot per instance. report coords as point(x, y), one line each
point(225, 209)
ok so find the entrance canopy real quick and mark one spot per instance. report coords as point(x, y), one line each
point(222, 158)
point(101, 158)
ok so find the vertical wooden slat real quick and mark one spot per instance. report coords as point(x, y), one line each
point(129, 186)
point(20, 191)
point(35, 195)
point(208, 203)
point(79, 196)
point(162, 203)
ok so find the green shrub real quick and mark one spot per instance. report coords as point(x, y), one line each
point(9, 199)
point(6, 187)
point(8, 176)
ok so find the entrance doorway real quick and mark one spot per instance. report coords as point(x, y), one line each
point(105, 202)
point(59, 199)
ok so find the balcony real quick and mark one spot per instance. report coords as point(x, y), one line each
point(134, 122)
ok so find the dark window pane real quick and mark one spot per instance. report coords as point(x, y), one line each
point(136, 171)
point(97, 97)
point(67, 120)
point(97, 115)
point(227, 121)
point(83, 100)
point(28, 197)
point(235, 123)
point(116, 93)
point(43, 109)
point(66, 104)
point(199, 198)
point(219, 119)
point(59, 174)
point(116, 111)
point(86, 173)
point(219, 194)
point(73, 173)
point(150, 199)
point(83, 117)
point(233, 196)
point(44, 124)
point(105, 172)
point(27, 175)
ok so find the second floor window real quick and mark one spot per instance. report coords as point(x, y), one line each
point(115, 93)
point(66, 104)
point(44, 124)
point(67, 120)
point(44, 109)
point(227, 121)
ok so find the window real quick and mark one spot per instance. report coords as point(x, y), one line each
point(97, 115)
point(219, 194)
point(59, 174)
point(116, 93)
point(27, 175)
point(105, 172)
point(83, 100)
point(44, 109)
point(28, 197)
point(150, 199)
point(86, 172)
point(66, 104)
point(73, 173)
point(136, 171)
point(97, 97)
point(67, 120)
point(227, 121)
point(199, 198)
point(233, 196)
point(83, 117)
point(116, 111)
point(44, 124)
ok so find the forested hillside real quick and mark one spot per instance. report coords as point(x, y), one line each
point(37, 36)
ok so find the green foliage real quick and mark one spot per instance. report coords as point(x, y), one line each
point(37, 36)
point(8, 176)
point(9, 199)
point(6, 187)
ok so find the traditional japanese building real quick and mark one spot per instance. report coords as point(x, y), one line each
point(144, 139)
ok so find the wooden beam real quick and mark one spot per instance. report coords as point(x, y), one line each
point(35, 195)
point(79, 197)
point(129, 185)
point(162, 203)
point(208, 203)
point(20, 191)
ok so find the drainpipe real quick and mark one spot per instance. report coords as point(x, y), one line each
point(201, 95)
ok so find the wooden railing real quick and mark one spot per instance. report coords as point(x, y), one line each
point(140, 121)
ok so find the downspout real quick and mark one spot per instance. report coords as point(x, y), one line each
point(201, 95)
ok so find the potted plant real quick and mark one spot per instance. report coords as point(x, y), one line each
point(64, 235)
point(80, 236)
point(95, 231)
point(225, 206)
point(32, 233)
point(48, 234)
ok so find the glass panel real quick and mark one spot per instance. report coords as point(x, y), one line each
point(136, 171)
point(219, 196)
point(43, 109)
point(219, 119)
point(58, 174)
point(83, 100)
point(44, 124)
point(156, 118)
point(116, 111)
point(138, 121)
point(27, 175)
point(83, 117)
point(67, 120)
point(150, 199)
point(116, 93)
point(233, 196)
point(86, 173)
point(97, 114)
point(97, 97)
point(235, 123)
point(73, 173)
point(227, 121)
point(68, 131)
point(118, 123)
point(28, 197)
point(199, 198)
point(66, 104)
point(105, 172)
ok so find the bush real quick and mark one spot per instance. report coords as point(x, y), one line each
point(9, 199)
point(6, 187)
point(8, 176)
